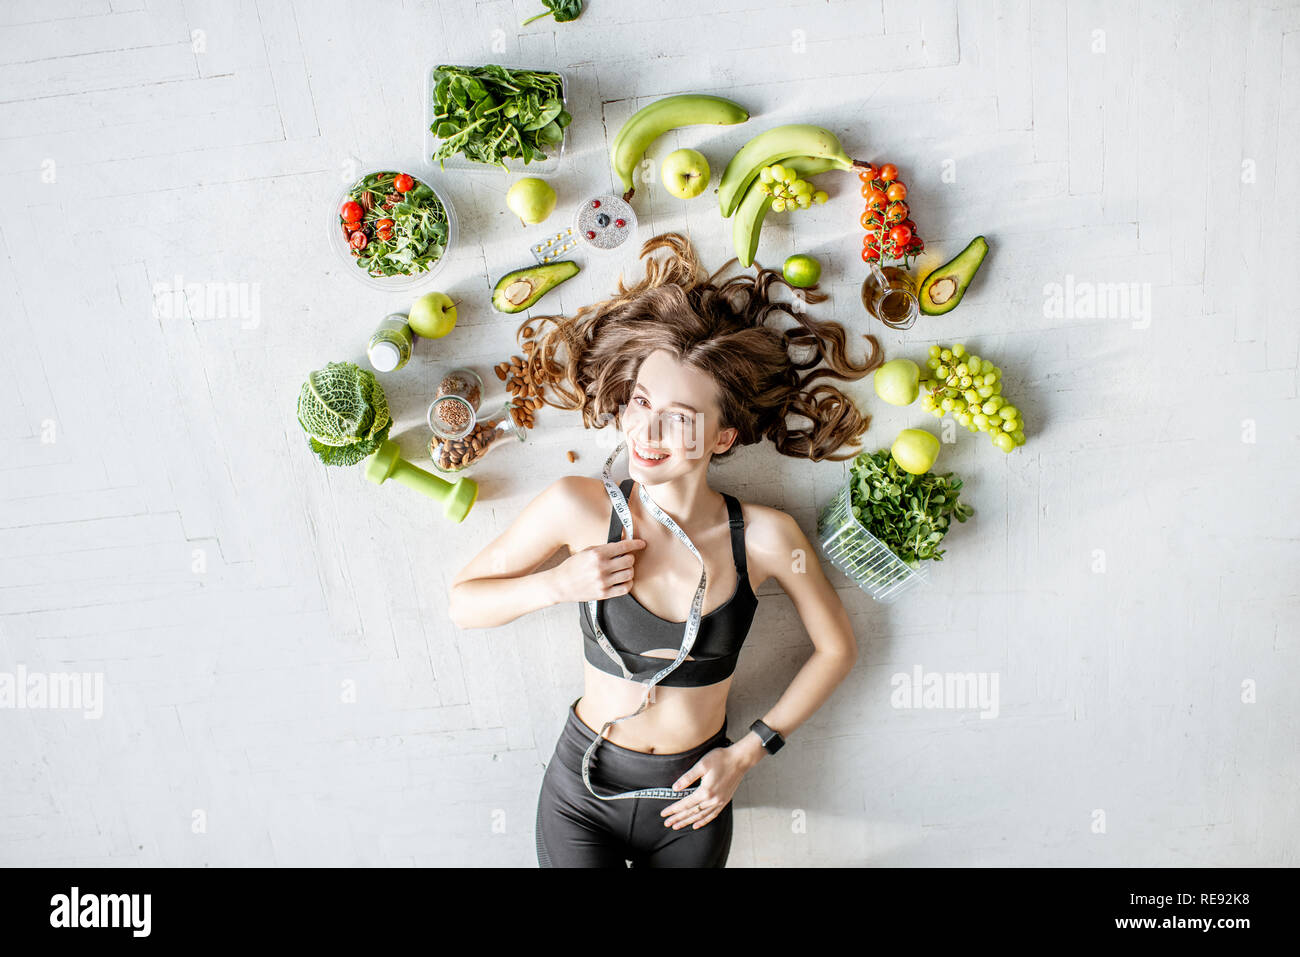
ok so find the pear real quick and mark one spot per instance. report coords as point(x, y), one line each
point(531, 199)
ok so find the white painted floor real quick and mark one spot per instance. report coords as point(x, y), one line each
point(281, 683)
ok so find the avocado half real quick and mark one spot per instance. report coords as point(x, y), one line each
point(943, 288)
point(516, 291)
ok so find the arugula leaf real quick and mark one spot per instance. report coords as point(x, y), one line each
point(562, 10)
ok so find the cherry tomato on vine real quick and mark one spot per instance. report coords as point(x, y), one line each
point(896, 191)
point(874, 197)
point(900, 236)
point(403, 183)
point(357, 240)
point(896, 213)
point(916, 245)
point(351, 211)
point(867, 173)
point(889, 172)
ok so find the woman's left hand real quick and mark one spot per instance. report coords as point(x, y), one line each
point(719, 772)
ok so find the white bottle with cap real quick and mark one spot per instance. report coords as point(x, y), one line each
point(391, 345)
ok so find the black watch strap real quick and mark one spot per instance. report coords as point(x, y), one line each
point(772, 740)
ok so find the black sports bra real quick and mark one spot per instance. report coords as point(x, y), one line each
point(632, 629)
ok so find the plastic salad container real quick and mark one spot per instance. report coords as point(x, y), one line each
point(458, 161)
point(339, 242)
point(860, 555)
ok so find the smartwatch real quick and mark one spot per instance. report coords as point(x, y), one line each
point(772, 740)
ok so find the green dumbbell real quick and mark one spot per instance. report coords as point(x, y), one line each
point(457, 497)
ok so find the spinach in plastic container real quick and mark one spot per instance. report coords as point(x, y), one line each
point(910, 514)
point(491, 114)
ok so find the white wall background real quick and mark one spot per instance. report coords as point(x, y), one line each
point(133, 443)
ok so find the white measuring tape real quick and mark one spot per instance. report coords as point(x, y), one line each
point(688, 639)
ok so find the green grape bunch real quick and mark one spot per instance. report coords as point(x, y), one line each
point(787, 190)
point(970, 388)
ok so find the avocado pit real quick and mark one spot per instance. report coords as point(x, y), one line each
point(943, 289)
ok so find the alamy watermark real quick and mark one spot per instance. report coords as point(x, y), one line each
point(209, 300)
point(1098, 300)
point(37, 690)
point(946, 689)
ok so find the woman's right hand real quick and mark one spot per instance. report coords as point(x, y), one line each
point(600, 571)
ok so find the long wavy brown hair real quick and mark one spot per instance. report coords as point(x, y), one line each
point(719, 327)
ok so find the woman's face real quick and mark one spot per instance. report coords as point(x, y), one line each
point(672, 412)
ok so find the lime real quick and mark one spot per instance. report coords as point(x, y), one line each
point(802, 271)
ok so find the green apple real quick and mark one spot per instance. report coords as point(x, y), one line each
point(685, 173)
point(915, 450)
point(802, 271)
point(432, 315)
point(531, 199)
point(897, 381)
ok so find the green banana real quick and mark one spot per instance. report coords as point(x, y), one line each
point(748, 223)
point(775, 146)
point(651, 121)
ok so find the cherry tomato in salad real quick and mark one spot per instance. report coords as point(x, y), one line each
point(384, 234)
point(889, 172)
point(403, 183)
point(357, 240)
point(896, 191)
point(385, 224)
point(351, 212)
point(900, 236)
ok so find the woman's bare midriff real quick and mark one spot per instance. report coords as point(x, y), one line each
point(676, 719)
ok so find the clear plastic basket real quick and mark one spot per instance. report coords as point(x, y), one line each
point(459, 162)
point(860, 555)
point(420, 174)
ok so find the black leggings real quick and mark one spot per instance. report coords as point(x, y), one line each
point(576, 829)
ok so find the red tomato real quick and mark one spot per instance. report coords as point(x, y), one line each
point(403, 183)
point(900, 236)
point(384, 224)
point(874, 197)
point(351, 212)
point(916, 245)
point(384, 233)
point(896, 213)
point(889, 172)
point(866, 173)
point(910, 225)
point(357, 240)
point(896, 191)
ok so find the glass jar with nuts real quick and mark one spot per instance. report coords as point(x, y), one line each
point(451, 417)
point(455, 454)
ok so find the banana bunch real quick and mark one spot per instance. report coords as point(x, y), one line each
point(650, 122)
point(748, 221)
point(772, 146)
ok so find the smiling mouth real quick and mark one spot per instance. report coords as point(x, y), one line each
point(648, 454)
